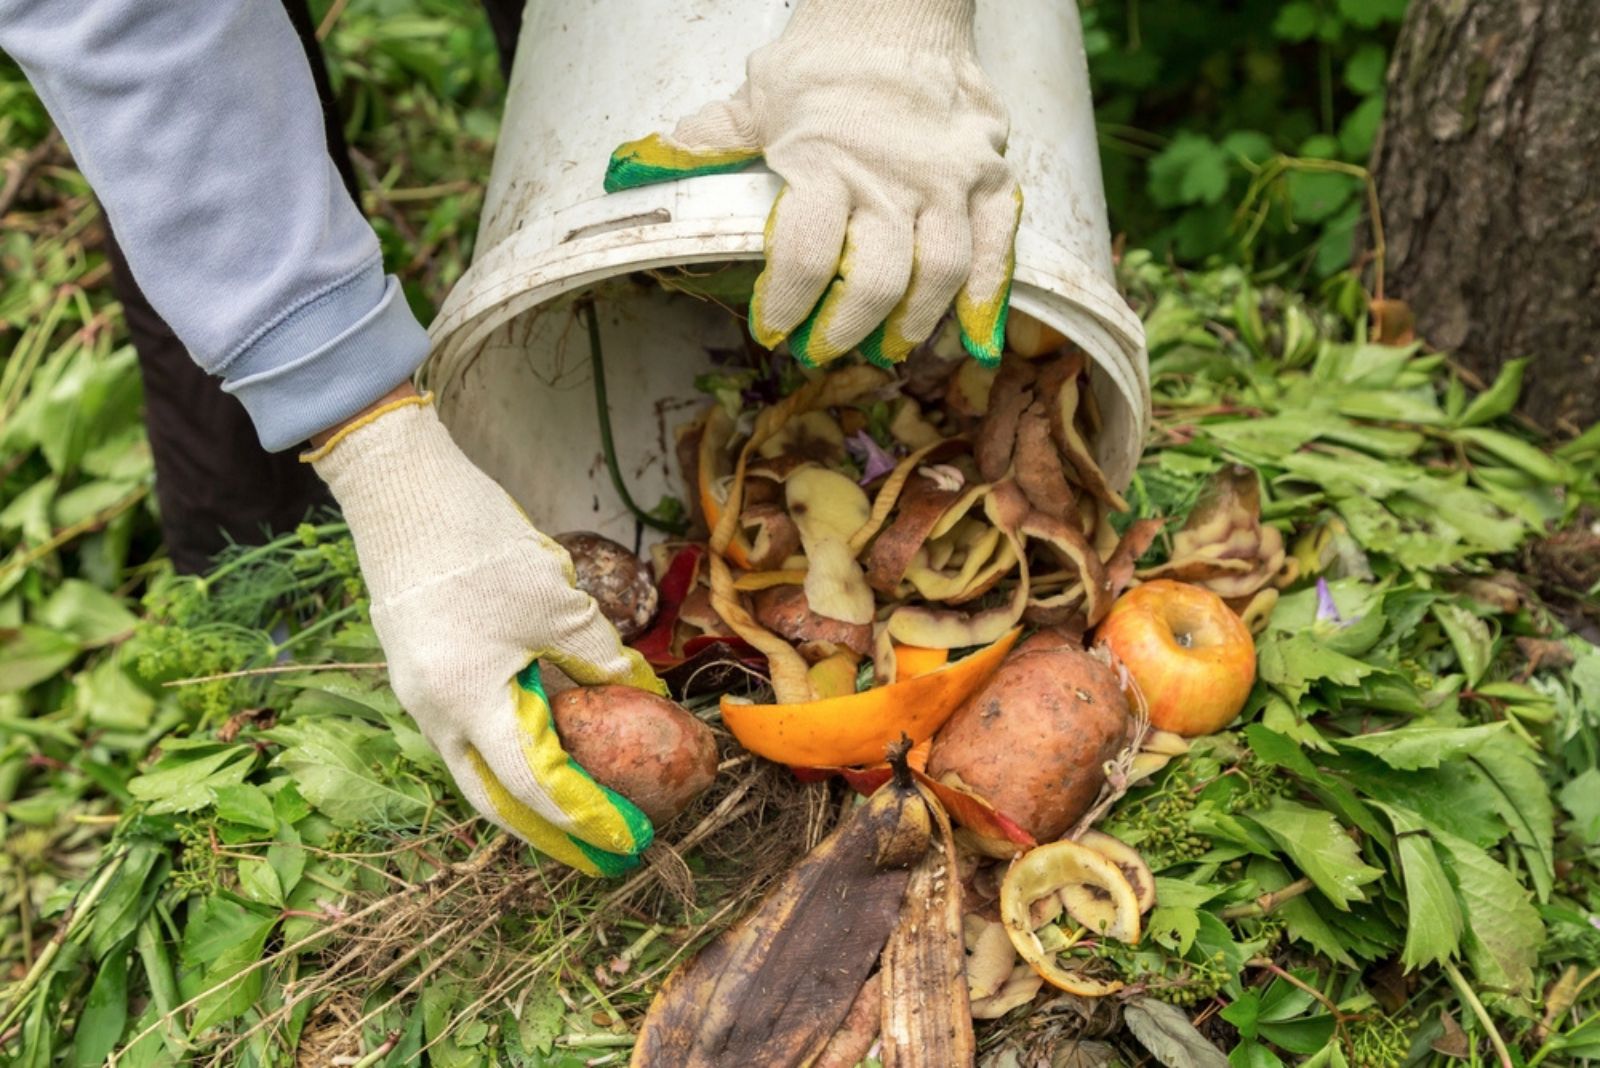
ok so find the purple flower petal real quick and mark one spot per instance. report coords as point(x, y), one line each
point(874, 460)
point(1327, 611)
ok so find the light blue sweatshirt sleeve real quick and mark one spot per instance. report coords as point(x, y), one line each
point(197, 124)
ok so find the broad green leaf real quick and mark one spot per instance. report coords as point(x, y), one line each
point(258, 882)
point(1410, 748)
point(1387, 405)
point(1581, 797)
point(1243, 1013)
point(214, 924)
point(1499, 398)
point(121, 908)
point(1300, 1036)
point(1251, 1054)
point(1319, 846)
point(1166, 1032)
point(1455, 796)
point(1524, 801)
point(1504, 931)
point(1359, 604)
point(341, 767)
point(246, 805)
point(1296, 21)
point(1284, 1001)
point(1433, 915)
point(229, 995)
point(1517, 453)
point(1469, 636)
point(185, 777)
point(85, 611)
point(1292, 663)
point(30, 654)
point(1179, 893)
point(1173, 927)
point(105, 1011)
point(1363, 71)
point(288, 858)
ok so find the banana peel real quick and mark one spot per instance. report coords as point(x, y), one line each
point(774, 989)
point(927, 1018)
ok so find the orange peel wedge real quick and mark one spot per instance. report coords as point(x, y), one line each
point(856, 728)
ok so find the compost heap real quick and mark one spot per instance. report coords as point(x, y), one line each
point(875, 542)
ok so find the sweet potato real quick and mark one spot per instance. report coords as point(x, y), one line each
point(784, 610)
point(642, 746)
point(1033, 739)
point(619, 581)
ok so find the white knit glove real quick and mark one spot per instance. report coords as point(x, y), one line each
point(466, 598)
point(898, 199)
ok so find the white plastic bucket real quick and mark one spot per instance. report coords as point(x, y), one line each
point(510, 363)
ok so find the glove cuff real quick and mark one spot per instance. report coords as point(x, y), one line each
point(404, 485)
point(914, 25)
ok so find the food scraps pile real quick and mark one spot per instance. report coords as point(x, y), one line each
point(877, 541)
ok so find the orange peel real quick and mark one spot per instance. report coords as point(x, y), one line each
point(856, 728)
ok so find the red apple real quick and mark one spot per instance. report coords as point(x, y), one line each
point(1192, 658)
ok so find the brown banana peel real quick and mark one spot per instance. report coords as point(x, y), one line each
point(927, 1019)
point(773, 989)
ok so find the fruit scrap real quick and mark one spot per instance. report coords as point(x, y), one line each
point(1224, 546)
point(1191, 658)
point(850, 1044)
point(1093, 892)
point(926, 1017)
point(856, 728)
point(774, 988)
point(996, 981)
point(827, 509)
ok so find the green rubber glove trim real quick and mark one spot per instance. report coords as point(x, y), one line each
point(652, 159)
point(988, 349)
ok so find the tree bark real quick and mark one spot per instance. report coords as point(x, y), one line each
point(1488, 173)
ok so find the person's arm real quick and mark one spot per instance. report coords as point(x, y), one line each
point(197, 124)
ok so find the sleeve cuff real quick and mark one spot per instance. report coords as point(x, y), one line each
point(292, 393)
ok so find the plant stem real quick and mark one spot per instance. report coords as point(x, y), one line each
point(607, 445)
point(1264, 904)
point(1459, 981)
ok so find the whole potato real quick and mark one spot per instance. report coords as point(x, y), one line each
point(1032, 740)
point(642, 746)
point(619, 581)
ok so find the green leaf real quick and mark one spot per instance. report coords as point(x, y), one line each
point(1364, 70)
point(1370, 13)
point(1581, 797)
point(1192, 169)
point(1410, 748)
point(188, 773)
point(234, 995)
point(1243, 1012)
point(1173, 927)
point(1316, 196)
point(1292, 663)
point(1499, 398)
point(1166, 1032)
point(1470, 637)
point(85, 611)
point(259, 882)
point(1296, 21)
point(30, 654)
point(216, 923)
point(1455, 796)
point(105, 1011)
point(247, 805)
point(340, 767)
point(122, 907)
point(1250, 1054)
point(1300, 1036)
point(1319, 846)
point(1523, 800)
point(1517, 453)
point(1433, 916)
point(1504, 931)
point(288, 858)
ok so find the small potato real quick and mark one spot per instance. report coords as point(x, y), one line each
point(1033, 739)
point(642, 746)
point(619, 581)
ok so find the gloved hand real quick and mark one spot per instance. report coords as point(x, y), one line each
point(898, 197)
point(466, 597)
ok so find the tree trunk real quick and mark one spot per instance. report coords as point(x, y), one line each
point(1488, 172)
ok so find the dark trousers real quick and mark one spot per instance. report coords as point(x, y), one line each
point(215, 484)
